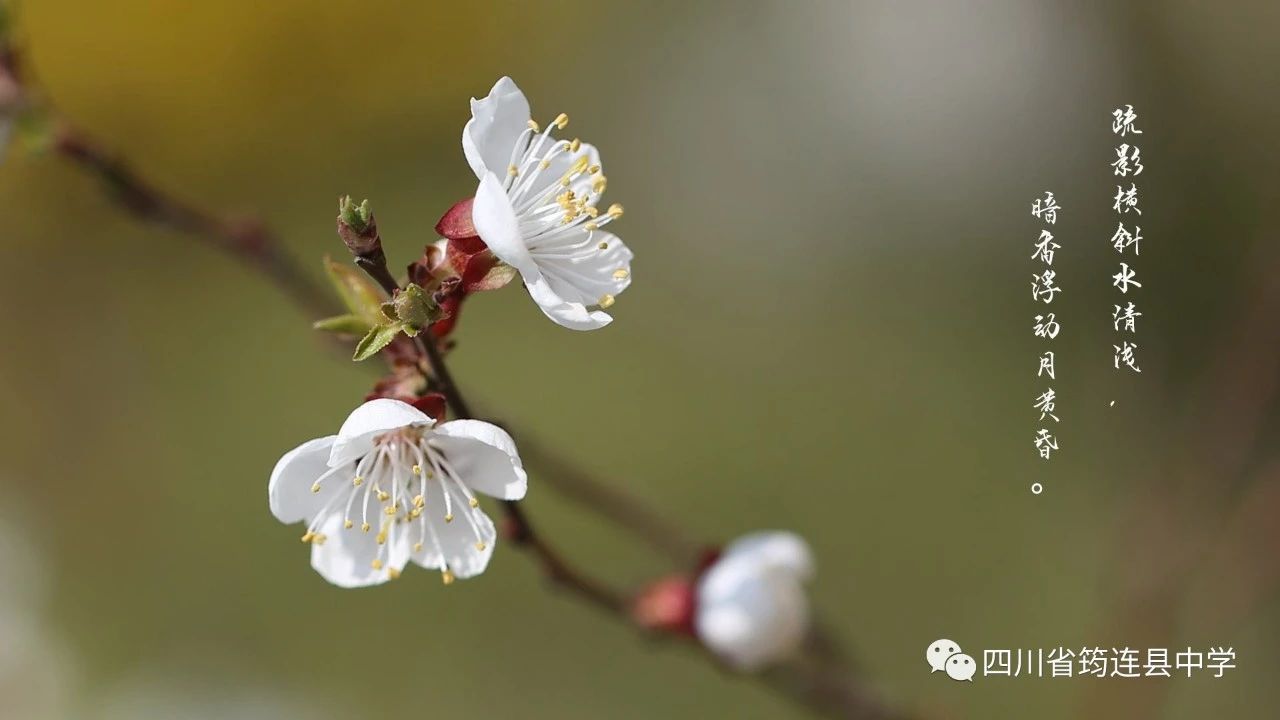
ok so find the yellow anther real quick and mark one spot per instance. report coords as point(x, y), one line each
point(591, 210)
point(615, 210)
point(419, 501)
point(357, 481)
point(348, 524)
point(319, 539)
point(591, 227)
point(417, 547)
point(448, 518)
point(381, 538)
point(533, 126)
point(481, 546)
point(307, 536)
point(415, 513)
point(599, 185)
point(376, 564)
point(621, 274)
point(512, 170)
point(606, 301)
point(544, 164)
point(383, 495)
point(579, 165)
point(603, 245)
point(561, 121)
point(474, 502)
point(446, 577)
point(593, 169)
point(391, 509)
point(417, 469)
point(575, 145)
point(364, 527)
point(393, 573)
point(315, 487)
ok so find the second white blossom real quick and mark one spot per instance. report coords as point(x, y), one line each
point(536, 209)
point(394, 487)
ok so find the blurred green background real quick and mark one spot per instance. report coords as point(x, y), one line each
point(829, 331)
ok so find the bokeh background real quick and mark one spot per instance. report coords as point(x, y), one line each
point(829, 331)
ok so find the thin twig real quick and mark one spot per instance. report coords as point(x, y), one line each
point(661, 534)
point(830, 689)
point(247, 240)
point(440, 370)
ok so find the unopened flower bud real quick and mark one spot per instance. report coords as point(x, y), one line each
point(358, 229)
point(666, 605)
point(752, 608)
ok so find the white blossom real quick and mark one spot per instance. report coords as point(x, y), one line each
point(752, 609)
point(394, 487)
point(536, 210)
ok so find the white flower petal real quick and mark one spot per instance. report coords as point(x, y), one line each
point(776, 549)
point(465, 548)
point(346, 556)
point(565, 313)
point(723, 625)
point(496, 222)
point(485, 457)
point(289, 490)
point(496, 123)
point(750, 615)
point(583, 272)
point(371, 419)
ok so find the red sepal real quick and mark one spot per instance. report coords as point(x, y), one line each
point(432, 404)
point(450, 299)
point(456, 222)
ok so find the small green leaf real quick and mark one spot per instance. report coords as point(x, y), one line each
point(360, 294)
point(378, 338)
point(350, 324)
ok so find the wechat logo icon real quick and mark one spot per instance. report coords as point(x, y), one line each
point(946, 656)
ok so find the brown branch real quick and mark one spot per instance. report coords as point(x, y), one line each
point(815, 680)
point(662, 535)
point(820, 684)
point(246, 240)
point(557, 570)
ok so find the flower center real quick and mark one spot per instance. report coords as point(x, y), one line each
point(568, 199)
point(553, 211)
point(388, 492)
